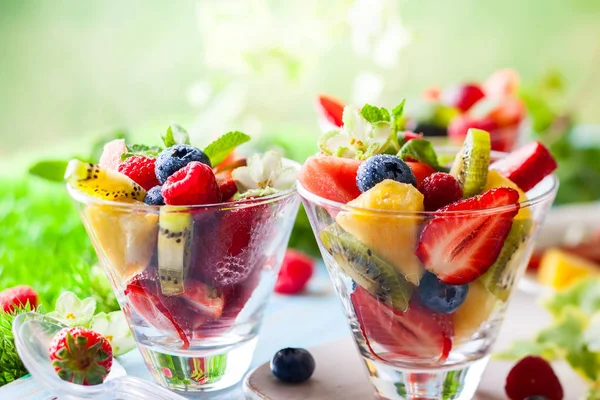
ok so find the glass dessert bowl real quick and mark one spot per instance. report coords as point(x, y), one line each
point(192, 277)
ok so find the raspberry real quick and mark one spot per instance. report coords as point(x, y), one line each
point(141, 170)
point(533, 376)
point(439, 190)
point(193, 184)
point(17, 296)
point(296, 270)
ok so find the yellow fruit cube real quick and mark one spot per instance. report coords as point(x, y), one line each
point(495, 180)
point(475, 310)
point(560, 269)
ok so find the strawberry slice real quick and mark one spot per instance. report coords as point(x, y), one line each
point(527, 166)
point(226, 184)
point(420, 170)
point(203, 298)
point(459, 247)
point(418, 333)
point(330, 109)
point(150, 307)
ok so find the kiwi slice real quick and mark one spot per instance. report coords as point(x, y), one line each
point(174, 244)
point(500, 278)
point(471, 164)
point(366, 268)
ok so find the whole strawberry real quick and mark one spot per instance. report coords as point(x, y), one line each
point(296, 270)
point(191, 185)
point(81, 356)
point(141, 170)
point(18, 296)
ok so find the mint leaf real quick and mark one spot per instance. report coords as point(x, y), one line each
point(218, 150)
point(397, 120)
point(175, 135)
point(141, 150)
point(375, 114)
point(584, 361)
point(51, 170)
point(420, 150)
point(584, 295)
point(526, 347)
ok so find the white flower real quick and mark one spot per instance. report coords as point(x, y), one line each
point(72, 311)
point(263, 175)
point(114, 328)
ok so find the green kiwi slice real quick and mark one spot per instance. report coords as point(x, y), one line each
point(471, 164)
point(366, 268)
point(174, 242)
point(500, 277)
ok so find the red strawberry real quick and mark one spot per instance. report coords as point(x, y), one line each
point(193, 184)
point(533, 376)
point(296, 270)
point(81, 356)
point(18, 296)
point(418, 333)
point(203, 298)
point(408, 136)
point(330, 108)
point(141, 170)
point(462, 96)
point(458, 247)
point(439, 190)
point(459, 125)
point(420, 170)
point(226, 184)
point(527, 166)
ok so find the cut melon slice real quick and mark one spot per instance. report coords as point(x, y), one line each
point(391, 236)
point(333, 178)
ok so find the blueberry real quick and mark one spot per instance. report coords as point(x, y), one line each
point(381, 167)
point(154, 197)
point(293, 365)
point(439, 296)
point(536, 398)
point(172, 159)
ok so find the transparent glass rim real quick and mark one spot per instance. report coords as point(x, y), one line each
point(548, 193)
point(284, 194)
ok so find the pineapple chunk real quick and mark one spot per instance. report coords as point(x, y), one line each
point(495, 180)
point(475, 310)
point(560, 269)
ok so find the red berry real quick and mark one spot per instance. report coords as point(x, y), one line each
point(227, 185)
point(193, 184)
point(439, 190)
point(330, 109)
point(462, 96)
point(81, 356)
point(18, 296)
point(296, 270)
point(141, 170)
point(533, 376)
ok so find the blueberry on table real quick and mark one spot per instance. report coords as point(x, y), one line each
point(293, 365)
point(381, 167)
point(172, 159)
point(439, 296)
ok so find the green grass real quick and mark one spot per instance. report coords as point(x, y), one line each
point(44, 244)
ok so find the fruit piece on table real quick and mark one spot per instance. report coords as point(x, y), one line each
point(462, 96)
point(111, 154)
point(420, 170)
point(125, 239)
point(418, 333)
point(174, 247)
point(560, 269)
point(439, 296)
point(103, 183)
point(330, 109)
point(366, 268)
point(459, 247)
point(193, 184)
point(470, 166)
point(533, 376)
point(333, 178)
point(495, 180)
point(527, 166)
point(500, 277)
point(173, 158)
point(154, 197)
point(203, 298)
point(391, 236)
point(439, 190)
point(293, 365)
point(473, 312)
point(381, 167)
point(296, 270)
point(18, 296)
point(141, 170)
point(81, 356)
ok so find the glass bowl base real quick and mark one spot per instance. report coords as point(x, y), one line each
point(204, 373)
point(435, 384)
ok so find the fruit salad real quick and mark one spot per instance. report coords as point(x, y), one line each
point(423, 246)
point(190, 238)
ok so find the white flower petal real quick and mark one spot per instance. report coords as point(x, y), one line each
point(88, 306)
point(381, 133)
point(114, 327)
point(67, 303)
point(243, 180)
point(101, 324)
point(285, 179)
point(257, 170)
point(334, 142)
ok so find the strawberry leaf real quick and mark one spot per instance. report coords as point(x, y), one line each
point(218, 150)
point(175, 135)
